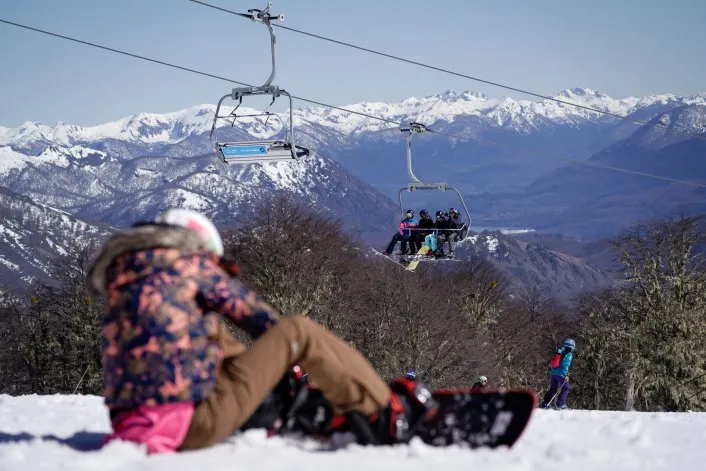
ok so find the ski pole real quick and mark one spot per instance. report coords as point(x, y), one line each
point(690, 380)
point(80, 380)
point(558, 390)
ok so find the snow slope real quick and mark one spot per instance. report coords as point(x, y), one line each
point(62, 432)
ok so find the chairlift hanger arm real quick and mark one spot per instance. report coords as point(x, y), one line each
point(411, 130)
point(263, 16)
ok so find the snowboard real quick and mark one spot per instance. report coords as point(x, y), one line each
point(411, 262)
point(478, 417)
point(410, 266)
point(472, 418)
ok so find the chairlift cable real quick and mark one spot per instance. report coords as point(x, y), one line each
point(319, 103)
point(187, 69)
point(678, 129)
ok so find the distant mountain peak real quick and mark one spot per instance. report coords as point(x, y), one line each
point(579, 92)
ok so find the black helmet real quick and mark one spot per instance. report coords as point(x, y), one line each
point(439, 214)
point(410, 212)
point(424, 212)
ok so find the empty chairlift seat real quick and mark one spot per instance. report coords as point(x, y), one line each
point(258, 150)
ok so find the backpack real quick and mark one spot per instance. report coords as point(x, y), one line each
point(556, 360)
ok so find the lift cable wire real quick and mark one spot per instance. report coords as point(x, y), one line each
point(678, 129)
point(186, 69)
point(378, 118)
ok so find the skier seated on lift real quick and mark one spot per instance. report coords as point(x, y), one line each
point(426, 234)
point(404, 235)
point(441, 225)
point(175, 378)
point(449, 236)
point(455, 222)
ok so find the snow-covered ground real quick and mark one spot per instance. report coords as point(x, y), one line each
point(64, 432)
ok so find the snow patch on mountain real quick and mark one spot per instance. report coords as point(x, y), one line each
point(62, 157)
point(10, 265)
point(9, 159)
point(489, 241)
point(146, 172)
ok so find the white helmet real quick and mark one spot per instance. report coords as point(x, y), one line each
point(197, 222)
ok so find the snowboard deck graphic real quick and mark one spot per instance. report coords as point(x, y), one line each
point(479, 417)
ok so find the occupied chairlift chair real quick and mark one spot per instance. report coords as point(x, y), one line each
point(245, 152)
point(416, 184)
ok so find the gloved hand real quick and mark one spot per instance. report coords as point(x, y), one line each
point(228, 264)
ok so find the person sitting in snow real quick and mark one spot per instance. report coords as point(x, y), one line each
point(175, 378)
point(404, 235)
point(560, 377)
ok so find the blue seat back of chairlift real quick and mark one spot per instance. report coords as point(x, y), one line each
point(245, 150)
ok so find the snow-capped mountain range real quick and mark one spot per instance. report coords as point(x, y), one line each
point(151, 130)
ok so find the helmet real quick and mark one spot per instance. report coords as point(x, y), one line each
point(439, 214)
point(570, 344)
point(424, 212)
point(483, 380)
point(411, 374)
point(410, 213)
point(453, 211)
point(197, 222)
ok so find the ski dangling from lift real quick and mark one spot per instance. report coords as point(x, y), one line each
point(409, 266)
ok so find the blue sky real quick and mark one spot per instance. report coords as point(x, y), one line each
point(625, 47)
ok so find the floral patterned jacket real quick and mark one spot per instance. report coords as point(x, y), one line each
point(160, 327)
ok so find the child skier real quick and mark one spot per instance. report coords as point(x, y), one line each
point(176, 379)
point(560, 376)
